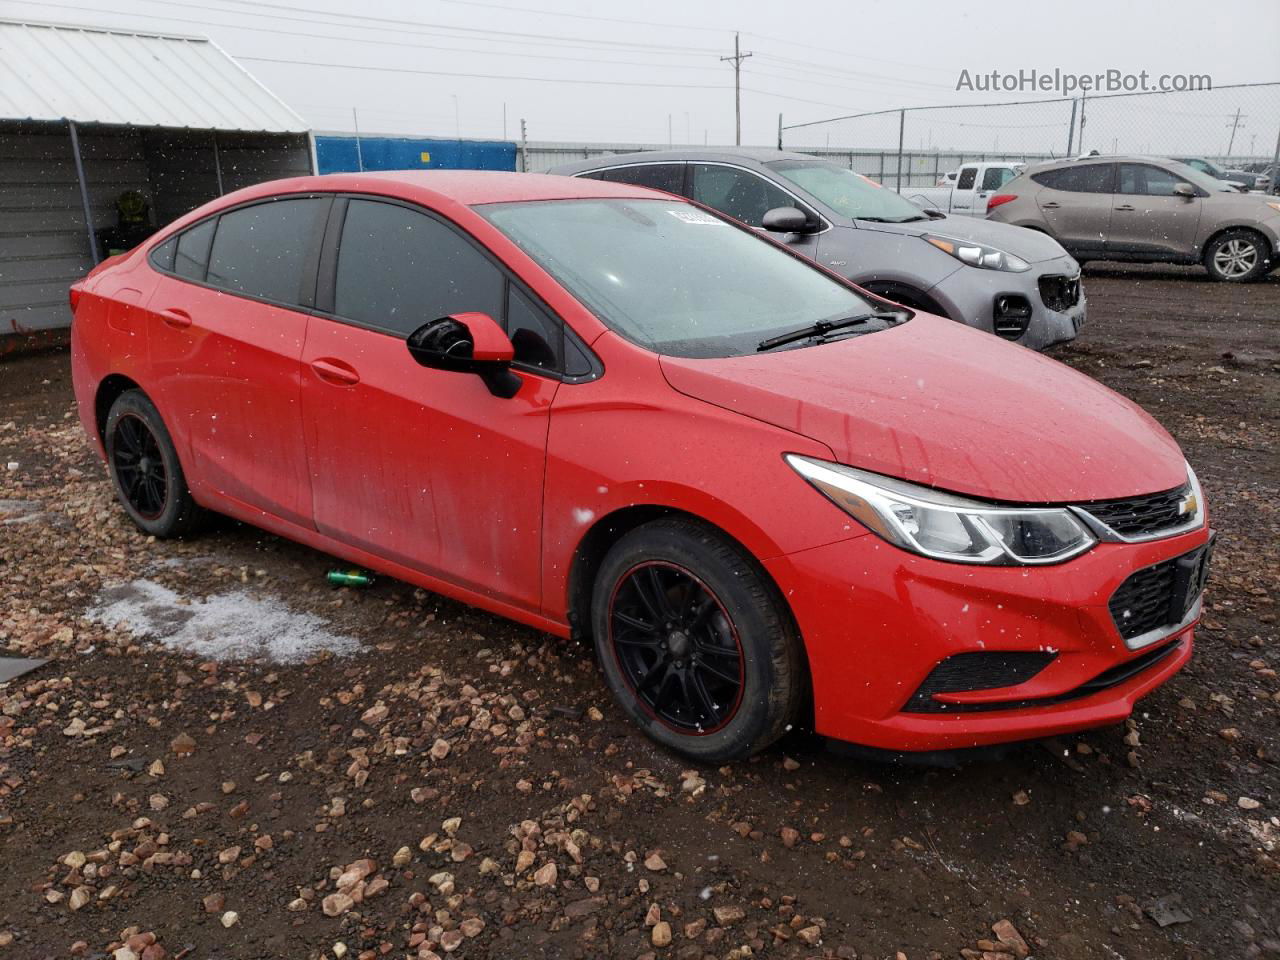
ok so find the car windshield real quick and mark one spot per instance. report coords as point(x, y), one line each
point(848, 193)
point(676, 279)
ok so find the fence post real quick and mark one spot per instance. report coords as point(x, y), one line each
point(1071, 127)
point(880, 173)
point(524, 148)
point(779, 131)
point(902, 127)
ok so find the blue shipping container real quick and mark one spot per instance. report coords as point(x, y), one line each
point(338, 154)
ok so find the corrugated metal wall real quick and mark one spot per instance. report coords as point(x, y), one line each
point(338, 154)
point(43, 243)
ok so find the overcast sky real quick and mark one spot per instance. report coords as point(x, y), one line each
point(590, 70)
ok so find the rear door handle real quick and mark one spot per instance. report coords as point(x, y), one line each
point(1127, 208)
point(335, 372)
point(1051, 205)
point(176, 318)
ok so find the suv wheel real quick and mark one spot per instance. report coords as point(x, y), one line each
point(695, 643)
point(1237, 256)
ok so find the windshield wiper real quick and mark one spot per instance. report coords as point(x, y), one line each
point(817, 329)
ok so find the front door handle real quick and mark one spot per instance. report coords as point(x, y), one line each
point(335, 372)
point(176, 318)
point(1127, 207)
point(1051, 205)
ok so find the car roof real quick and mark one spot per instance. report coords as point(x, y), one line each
point(466, 187)
point(707, 154)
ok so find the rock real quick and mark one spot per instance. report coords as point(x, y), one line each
point(1021, 798)
point(182, 745)
point(789, 764)
point(1008, 935)
point(661, 934)
point(1075, 840)
point(1166, 911)
point(336, 904)
point(75, 859)
point(297, 905)
point(450, 826)
point(156, 769)
point(402, 857)
point(79, 897)
point(810, 935)
point(440, 749)
point(1248, 803)
point(728, 914)
point(230, 919)
point(451, 940)
point(546, 875)
point(214, 903)
point(374, 715)
point(471, 927)
point(655, 863)
point(789, 836)
point(524, 860)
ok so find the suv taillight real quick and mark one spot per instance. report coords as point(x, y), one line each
point(998, 199)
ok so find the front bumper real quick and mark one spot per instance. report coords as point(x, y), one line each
point(876, 621)
point(970, 294)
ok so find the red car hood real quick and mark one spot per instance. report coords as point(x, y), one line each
point(942, 404)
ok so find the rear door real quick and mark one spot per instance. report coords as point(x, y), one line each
point(226, 325)
point(1075, 203)
point(425, 467)
point(1148, 217)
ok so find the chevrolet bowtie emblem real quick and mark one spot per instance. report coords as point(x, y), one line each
point(1189, 505)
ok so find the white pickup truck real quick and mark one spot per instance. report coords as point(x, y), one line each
point(973, 186)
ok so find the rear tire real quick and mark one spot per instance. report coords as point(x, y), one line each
point(1237, 256)
point(145, 471)
point(695, 643)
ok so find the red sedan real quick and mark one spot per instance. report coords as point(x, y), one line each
point(769, 496)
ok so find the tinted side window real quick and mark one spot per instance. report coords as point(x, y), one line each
point(162, 256)
point(537, 338)
point(966, 178)
point(1139, 178)
point(1085, 178)
point(191, 259)
point(659, 176)
point(261, 251)
point(398, 268)
point(996, 177)
point(738, 193)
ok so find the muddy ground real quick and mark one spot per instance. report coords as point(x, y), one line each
point(464, 786)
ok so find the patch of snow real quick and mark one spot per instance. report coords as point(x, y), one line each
point(235, 625)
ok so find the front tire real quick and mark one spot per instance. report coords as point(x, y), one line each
point(695, 643)
point(1237, 256)
point(145, 471)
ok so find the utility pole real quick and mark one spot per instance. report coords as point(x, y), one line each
point(736, 60)
point(1235, 124)
point(524, 148)
point(355, 119)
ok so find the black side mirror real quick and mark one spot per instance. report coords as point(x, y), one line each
point(468, 343)
point(789, 220)
point(1184, 190)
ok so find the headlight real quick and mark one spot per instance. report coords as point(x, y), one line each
point(944, 526)
point(979, 254)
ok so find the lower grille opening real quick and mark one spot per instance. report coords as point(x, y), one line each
point(1160, 595)
point(1108, 678)
point(963, 672)
point(1011, 315)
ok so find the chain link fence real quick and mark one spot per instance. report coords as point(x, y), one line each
point(1236, 127)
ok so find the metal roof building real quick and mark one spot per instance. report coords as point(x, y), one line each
point(106, 135)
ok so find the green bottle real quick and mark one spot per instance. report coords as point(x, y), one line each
point(349, 578)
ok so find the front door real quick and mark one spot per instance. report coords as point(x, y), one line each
point(425, 467)
point(1148, 217)
point(226, 330)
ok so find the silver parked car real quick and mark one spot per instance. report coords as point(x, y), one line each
point(1008, 282)
point(1145, 209)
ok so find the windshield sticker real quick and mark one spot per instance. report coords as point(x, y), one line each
point(696, 216)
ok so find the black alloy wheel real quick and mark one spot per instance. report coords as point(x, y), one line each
point(676, 647)
point(139, 465)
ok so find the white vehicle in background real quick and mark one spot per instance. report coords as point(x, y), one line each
point(973, 185)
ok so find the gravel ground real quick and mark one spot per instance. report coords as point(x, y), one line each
point(416, 778)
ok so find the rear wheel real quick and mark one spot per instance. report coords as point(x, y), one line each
point(144, 468)
point(1237, 256)
point(695, 643)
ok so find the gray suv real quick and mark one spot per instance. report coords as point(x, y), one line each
point(1145, 209)
point(1014, 283)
